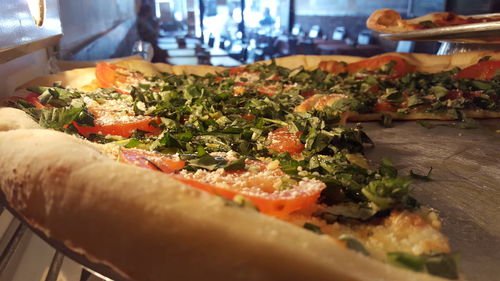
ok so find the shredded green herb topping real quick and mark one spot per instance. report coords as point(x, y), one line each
point(200, 115)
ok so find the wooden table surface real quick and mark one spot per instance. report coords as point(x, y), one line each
point(465, 186)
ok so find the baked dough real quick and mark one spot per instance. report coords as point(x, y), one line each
point(390, 21)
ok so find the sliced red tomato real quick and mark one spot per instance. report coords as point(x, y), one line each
point(274, 203)
point(374, 88)
point(400, 68)
point(332, 66)
point(484, 70)
point(381, 106)
point(282, 140)
point(236, 70)
point(151, 160)
point(239, 90)
point(248, 117)
point(268, 90)
point(456, 94)
point(258, 187)
point(106, 74)
point(119, 129)
point(112, 76)
point(308, 94)
point(33, 99)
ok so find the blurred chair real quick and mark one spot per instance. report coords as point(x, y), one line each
point(315, 32)
point(339, 33)
point(364, 37)
point(332, 47)
point(405, 46)
point(296, 29)
point(366, 47)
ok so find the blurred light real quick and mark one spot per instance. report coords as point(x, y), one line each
point(237, 15)
point(37, 10)
point(178, 16)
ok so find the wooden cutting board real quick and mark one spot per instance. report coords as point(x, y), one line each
point(465, 185)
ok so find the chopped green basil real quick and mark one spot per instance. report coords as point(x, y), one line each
point(442, 265)
point(354, 244)
point(312, 227)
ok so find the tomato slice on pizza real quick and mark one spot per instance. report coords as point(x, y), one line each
point(390, 21)
point(281, 140)
point(394, 65)
point(113, 76)
point(118, 128)
point(151, 160)
point(250, 79)
point(264, 187)
point(33, 99)
point(484, 70)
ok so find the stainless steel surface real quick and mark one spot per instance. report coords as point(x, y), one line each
point(11, 242)
point(55, 267)
point(488, 33)
point(20, 35)
point(448, 48)
point(465, 186)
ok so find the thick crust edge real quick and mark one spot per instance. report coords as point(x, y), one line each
point(147, 225)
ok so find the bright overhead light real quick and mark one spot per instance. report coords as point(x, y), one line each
point(37, 10)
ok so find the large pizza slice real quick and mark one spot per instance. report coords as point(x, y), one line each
point(236, 174)
point(390, 21)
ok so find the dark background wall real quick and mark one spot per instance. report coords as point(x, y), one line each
point(352, 14)
point(470, 7)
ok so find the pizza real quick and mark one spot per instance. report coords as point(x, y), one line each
point(246, 173)
point(390, 21)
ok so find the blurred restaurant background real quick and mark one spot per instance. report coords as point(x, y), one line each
point(235, 32)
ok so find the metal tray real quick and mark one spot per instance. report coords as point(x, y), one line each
point(488, 32)
point(465, 186)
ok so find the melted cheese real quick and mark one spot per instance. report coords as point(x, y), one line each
point(403, 231)
point(319, 102)
point(113, 111)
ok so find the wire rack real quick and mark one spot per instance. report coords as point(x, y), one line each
point(26, 257)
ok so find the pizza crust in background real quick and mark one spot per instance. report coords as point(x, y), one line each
point(80, 77)
point(390, 21)
point(84, 78)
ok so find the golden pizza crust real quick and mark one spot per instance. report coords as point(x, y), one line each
point(80, 77)
point(148, 226)
point(390, 21)
point(84, 78)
